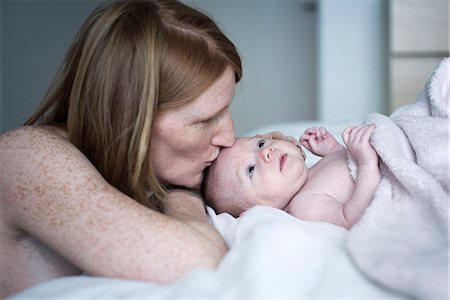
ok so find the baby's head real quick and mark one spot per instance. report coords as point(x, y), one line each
point(255, 171)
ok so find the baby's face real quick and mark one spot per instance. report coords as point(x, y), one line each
point(259, 171)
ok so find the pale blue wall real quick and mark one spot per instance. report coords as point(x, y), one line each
point(34, 38)
point(353, 65)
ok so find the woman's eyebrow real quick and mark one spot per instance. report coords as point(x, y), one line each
point(207, 114)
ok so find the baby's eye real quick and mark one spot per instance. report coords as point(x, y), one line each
point(251, 170)
point(261, 143)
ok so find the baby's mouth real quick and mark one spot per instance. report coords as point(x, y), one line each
point(282, 161)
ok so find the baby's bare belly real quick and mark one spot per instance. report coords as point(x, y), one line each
point(25, 262)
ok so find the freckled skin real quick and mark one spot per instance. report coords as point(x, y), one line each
point(58, 216)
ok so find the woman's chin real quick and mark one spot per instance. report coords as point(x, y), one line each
point(192, 182)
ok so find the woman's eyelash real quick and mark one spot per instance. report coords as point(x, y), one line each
point(251, 170)
point(207, 120)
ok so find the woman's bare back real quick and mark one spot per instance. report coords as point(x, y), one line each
point(24, 260)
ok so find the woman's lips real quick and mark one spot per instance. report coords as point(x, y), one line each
point(282, 161)
point(211, 161)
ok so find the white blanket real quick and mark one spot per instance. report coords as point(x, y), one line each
point(273, 256)
point(402, 239)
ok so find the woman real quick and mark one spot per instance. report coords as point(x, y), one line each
point(138, 110)
point(140, 104)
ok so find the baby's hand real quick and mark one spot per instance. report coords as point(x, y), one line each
point(356, 138)
point(319, 141)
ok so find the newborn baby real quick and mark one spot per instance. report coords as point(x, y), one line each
point(257, 171)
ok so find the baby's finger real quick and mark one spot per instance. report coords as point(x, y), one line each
point(368, 132)
point(318, 134)
point(312, 142)
point(355, 134)
point(311, 130)
point(305, 144)
point(305, 137)
point(323, 132)
point(358, 132)
point(365, 132)
point(346, 134)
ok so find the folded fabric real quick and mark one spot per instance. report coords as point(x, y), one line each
point(401, 241)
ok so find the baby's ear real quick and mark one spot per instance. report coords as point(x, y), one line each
point(303, 152)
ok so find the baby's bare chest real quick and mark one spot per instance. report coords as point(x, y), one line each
point(330, 177)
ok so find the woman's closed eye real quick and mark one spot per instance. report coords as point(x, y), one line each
point(209, 120)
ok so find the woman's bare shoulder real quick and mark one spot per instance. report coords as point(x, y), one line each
point(29, 144)
point(29, 140)
point(36, 162)
point(29, 155)
point(46, 146)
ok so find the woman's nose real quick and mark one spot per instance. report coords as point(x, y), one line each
point(224, 136)
point(266, 154)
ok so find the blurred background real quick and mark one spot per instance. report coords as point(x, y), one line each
point(324, 60)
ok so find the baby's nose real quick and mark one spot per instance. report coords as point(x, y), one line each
point(267, 154)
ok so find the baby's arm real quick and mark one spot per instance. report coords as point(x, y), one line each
point(356, 139)
point(314, 206)
point(319, 141)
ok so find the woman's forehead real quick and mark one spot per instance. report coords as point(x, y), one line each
point(212, 101)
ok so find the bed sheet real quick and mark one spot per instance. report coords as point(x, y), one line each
point(272, 256)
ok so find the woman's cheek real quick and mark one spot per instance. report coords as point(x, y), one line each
point(193, 139)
